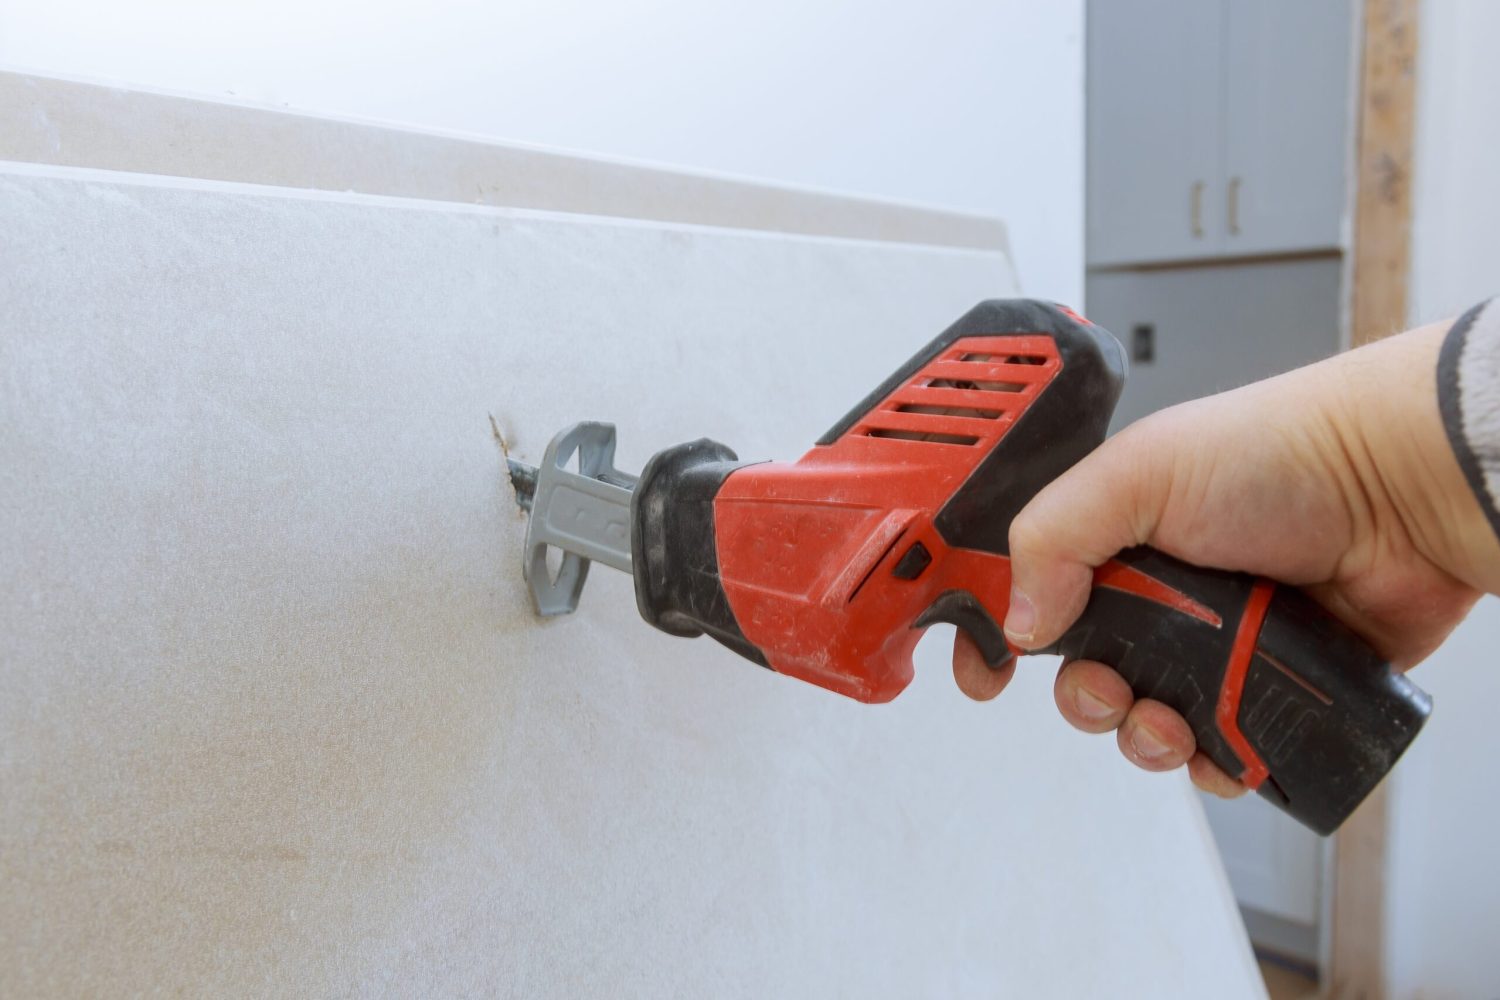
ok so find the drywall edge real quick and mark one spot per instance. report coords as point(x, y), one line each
point(70, 123)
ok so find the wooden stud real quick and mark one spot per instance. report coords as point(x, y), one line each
point(1382, 251)
point(1356, 962)
point(1383, 165)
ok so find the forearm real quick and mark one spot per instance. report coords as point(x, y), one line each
point(1398, 425)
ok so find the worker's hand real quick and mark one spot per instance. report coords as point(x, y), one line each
point(1338, 477)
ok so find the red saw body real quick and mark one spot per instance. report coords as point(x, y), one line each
point(831, 563)
point(834, 564)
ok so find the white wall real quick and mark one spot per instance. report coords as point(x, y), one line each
point(933, 101)
point(275, 715)
point(1444, 902)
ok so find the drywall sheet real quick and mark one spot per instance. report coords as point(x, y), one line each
point(275, 717)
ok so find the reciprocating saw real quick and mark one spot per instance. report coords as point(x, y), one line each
point(830, 568)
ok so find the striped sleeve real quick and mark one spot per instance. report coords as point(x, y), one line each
point(1468, 379)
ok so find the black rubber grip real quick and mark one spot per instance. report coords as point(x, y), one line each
point(1319, 710)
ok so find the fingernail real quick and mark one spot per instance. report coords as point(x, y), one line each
point(1093, 708)
point(1147, 744)
point(1020, 620)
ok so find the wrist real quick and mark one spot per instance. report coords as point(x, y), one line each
point(1391, 430)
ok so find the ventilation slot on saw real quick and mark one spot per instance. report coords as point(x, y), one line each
point(976, 372)
point(948, 411)
point(960, 399)
point(927, 436)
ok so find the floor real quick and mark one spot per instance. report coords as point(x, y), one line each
point(1283, 983)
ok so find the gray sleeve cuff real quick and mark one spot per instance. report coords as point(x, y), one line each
point(1468, 378)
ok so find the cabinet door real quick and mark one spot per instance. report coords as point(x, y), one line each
point(1153, 132)
point(1288, 117)
point(1196, 331)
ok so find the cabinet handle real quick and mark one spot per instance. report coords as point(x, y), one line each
point(1196, 209)
point(1234, 206)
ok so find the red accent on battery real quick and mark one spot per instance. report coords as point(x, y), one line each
point(1228, 712)
point(1118, 576)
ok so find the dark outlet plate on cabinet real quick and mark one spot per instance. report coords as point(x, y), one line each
point(1143, 343)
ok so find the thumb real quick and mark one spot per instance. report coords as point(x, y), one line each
point(1109, 501)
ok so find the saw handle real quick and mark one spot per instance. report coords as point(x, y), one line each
point(1278, 692)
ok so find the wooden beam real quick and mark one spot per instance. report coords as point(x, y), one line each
point(1383, 165)
point(1356, 967)
point(1382, 253)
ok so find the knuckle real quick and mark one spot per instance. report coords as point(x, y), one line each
point(1027, 534)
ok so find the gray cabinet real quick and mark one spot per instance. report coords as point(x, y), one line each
point(1197, 331)
point(1217, 128)
point(1288, 112)
point(1152, 121)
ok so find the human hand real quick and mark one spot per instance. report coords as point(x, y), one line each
point(1337, 477)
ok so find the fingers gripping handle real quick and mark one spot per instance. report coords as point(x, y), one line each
point(1277, 691)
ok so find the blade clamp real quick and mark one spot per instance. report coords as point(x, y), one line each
point(584, 514)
